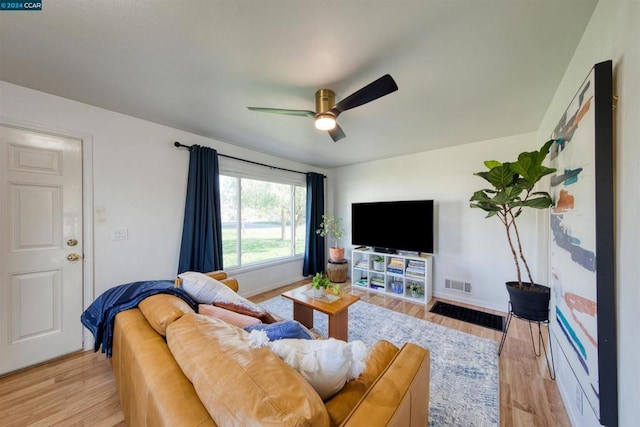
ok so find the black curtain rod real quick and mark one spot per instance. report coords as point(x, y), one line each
point(188, 147)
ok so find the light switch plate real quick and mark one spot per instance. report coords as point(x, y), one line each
point(119, 234)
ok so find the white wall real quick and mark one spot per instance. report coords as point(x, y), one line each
point(613, 33)
point(139, 183)
point(467, 246)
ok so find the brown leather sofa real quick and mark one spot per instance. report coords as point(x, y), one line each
point(204, 374)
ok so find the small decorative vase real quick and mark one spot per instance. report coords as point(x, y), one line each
point(318, 292)
point(415, 294)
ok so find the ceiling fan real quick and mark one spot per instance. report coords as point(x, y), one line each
point(327, 111)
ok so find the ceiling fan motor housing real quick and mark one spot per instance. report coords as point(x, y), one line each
point(325, 100)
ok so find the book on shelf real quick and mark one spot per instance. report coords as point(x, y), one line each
point(377, 282)
point(362, 264)
point(396, 262)
point(415, 268)
point(416, 264)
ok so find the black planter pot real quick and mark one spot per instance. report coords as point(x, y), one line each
point(531, 302)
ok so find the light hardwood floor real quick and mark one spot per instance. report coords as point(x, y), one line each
point(79, 390)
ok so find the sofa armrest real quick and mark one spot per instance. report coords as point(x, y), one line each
point(231, 282)
point(400, 395)
point(218, 275)
point(153, 389)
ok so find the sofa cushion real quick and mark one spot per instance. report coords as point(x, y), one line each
point(326, 364)
point(162, 309)
point(237, 319)
point(341, 404)
point(207, 290)
point(238, 384)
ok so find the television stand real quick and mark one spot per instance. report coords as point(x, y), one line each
point(402, 276)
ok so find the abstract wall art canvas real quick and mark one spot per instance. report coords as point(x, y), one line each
point(582, 241)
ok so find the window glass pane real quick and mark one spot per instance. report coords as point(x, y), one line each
point(266, 210)
point(229, 187)
point(300, 219)
point(261, 220)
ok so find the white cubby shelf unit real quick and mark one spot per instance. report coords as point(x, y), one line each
point(394, 275)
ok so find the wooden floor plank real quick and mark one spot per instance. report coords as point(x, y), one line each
point(79, 389)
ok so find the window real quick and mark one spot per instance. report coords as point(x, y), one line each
point(261, 220)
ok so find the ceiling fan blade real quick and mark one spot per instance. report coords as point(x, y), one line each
point(302, 113)
point(336, 133)
point(374, 90)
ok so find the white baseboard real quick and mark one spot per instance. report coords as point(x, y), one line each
point(270, 287)
point(456, 296)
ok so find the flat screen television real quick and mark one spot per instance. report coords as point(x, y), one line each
point(393, 226)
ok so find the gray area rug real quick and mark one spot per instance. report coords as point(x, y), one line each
point(464, 368)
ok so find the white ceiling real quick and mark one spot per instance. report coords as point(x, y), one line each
point(467, 70)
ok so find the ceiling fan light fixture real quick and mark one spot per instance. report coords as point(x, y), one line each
point(325, 121)
point(327, 111)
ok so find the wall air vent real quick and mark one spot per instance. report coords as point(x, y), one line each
point(457, 285)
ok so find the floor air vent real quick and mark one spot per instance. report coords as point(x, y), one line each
point(457, 285)
point(469, 315)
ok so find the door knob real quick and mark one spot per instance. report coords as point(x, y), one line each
point(73, 257)
point(72, 242)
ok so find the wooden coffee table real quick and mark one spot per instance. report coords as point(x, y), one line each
point(338, 311)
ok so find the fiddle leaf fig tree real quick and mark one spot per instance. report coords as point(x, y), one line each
point(512, 191)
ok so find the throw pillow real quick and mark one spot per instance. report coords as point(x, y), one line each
point(326, 364)
point(280, 330)
point(201, 287)
point(237, 319)
point(249, 309)
point(206, 290)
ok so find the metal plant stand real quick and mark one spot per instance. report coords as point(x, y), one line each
point(541, 346)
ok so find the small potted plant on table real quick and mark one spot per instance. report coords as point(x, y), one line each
point(320, 283)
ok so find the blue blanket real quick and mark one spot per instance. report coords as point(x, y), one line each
point(100, 316)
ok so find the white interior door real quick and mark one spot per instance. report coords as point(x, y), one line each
point(41, 247)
